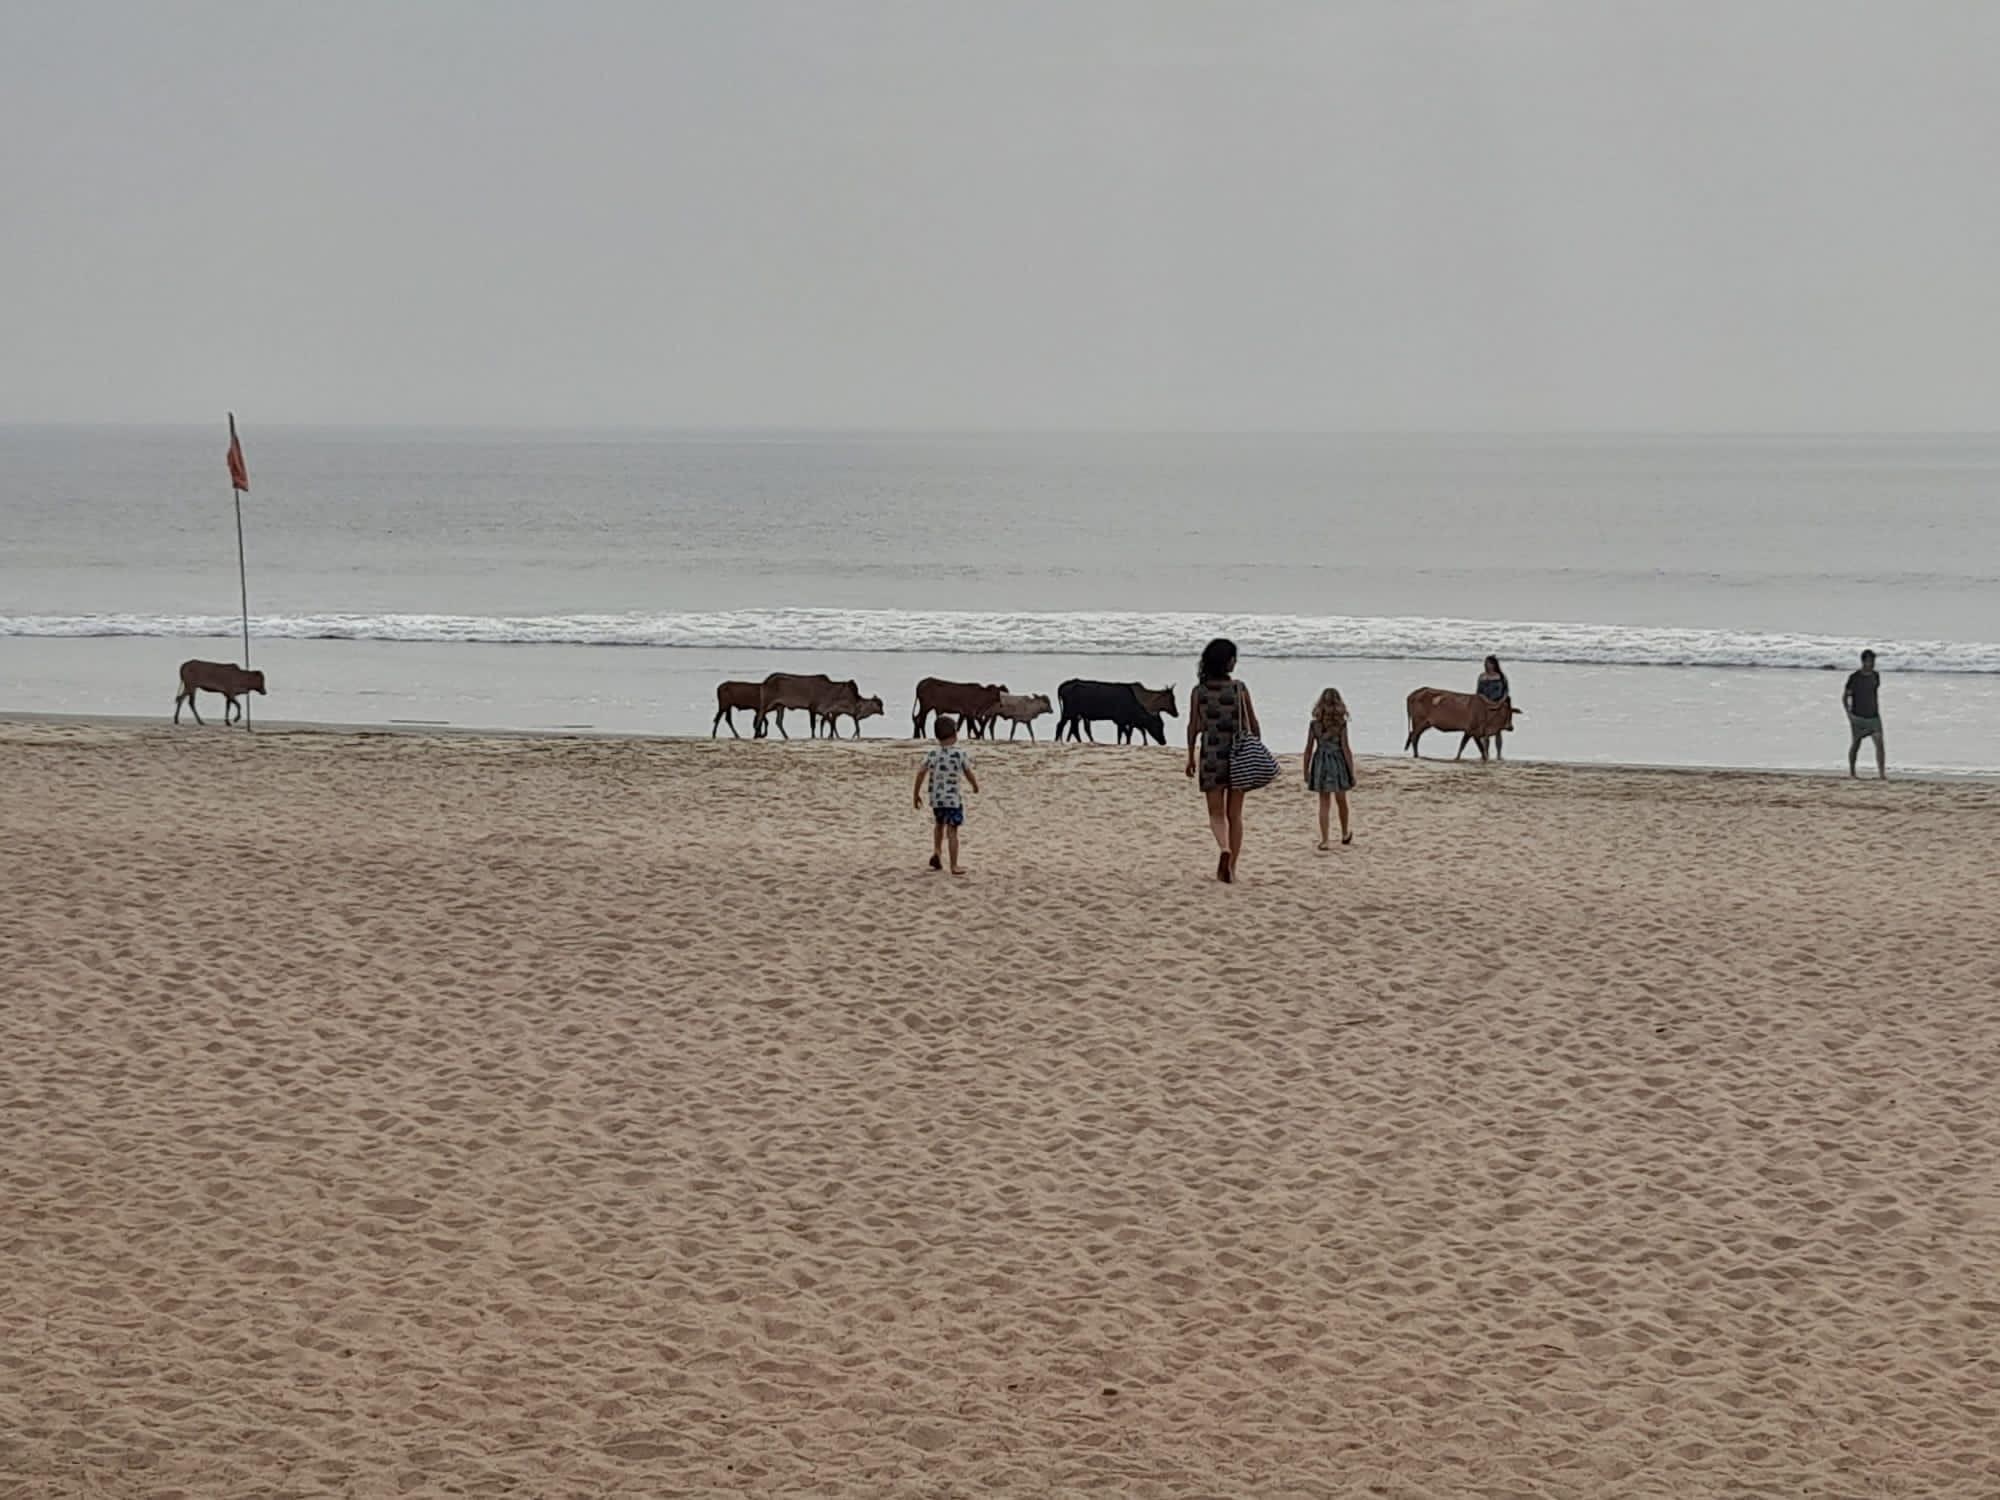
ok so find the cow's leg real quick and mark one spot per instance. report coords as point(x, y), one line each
point(1031, 731)
point(857, 726)
point(231, 709)
point(779, 715)
point(716, 724)
point(917, 723)
point(184, 696)
point(1089, 733)
point(1410, 744)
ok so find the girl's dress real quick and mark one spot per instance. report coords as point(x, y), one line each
point(1330, 770)
point(1221, 707)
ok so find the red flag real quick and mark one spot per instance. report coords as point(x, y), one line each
point(239, 476)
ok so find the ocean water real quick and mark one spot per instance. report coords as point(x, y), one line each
point(1678, 601)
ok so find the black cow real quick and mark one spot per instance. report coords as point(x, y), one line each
point(1123, 703)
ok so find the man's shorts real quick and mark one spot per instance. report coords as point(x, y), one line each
point(1864, 728)
point(949, 817)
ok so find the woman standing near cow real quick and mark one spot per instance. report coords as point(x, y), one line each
point(1219, 712)
point(1493, 687)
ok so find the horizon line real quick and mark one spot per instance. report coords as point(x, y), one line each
point(767, 429)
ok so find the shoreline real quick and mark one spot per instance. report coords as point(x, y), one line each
point(418, 730)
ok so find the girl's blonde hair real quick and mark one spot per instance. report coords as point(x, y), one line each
point(1330, 714)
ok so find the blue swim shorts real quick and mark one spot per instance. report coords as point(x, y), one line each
point(949, 817)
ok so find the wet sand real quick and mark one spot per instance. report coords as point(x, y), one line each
point(401, 1114)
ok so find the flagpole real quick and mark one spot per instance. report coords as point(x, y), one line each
point(242, 571)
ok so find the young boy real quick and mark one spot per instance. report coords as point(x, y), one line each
point(945, 767)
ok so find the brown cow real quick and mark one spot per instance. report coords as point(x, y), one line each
point(851, 704)
point(975, 704)
point(783, 690)
point(1158, 700)
point(729, 697)
point(221, 677)
point(1476, 718)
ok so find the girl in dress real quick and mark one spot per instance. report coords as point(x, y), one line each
point(1330, 761)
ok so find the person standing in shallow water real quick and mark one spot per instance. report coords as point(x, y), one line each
point(1862, 698)
point(1219, 710)
point(1493, 687)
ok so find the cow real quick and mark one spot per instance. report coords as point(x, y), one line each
point(729, 697)
point(974, 703)
point(1159, 700)
point(1126, 704)
point(221, 677)
point(850, 704)
point(783, 690)
point(1476, 719)
point(1020, 708)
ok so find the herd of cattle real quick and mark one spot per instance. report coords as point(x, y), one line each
point(1128, 706)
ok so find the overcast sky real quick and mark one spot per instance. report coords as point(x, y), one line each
point(1756, 214)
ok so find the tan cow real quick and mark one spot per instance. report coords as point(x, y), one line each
point(783, 690)
point(973, 703)
point(1475, 718)
point(729, 697)
point(1023, 708)
point(221, 677)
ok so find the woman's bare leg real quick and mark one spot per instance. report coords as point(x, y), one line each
point(1218, 817)
point(1235, 828)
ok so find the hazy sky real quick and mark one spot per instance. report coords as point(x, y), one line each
point(1753, 214)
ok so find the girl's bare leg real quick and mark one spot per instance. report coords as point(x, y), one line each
point(1325, 802)
point(1340, 800)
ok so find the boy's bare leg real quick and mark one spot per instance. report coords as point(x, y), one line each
point(937, 846)
point(951, 838)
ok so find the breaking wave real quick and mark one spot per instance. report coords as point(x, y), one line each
point(1067, 634)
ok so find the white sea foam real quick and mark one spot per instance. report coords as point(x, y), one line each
point(1327, 637)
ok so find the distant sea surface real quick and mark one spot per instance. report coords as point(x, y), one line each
point(1670, 600)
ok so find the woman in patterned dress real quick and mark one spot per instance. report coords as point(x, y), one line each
point(1219, 710)
point(1330, 761)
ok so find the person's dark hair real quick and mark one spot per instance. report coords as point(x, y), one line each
point(1218, 659)
point(1493, 666)
point(947, 728)
point(1867, 657)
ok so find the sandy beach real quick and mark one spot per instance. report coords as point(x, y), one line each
point(390, 1114)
